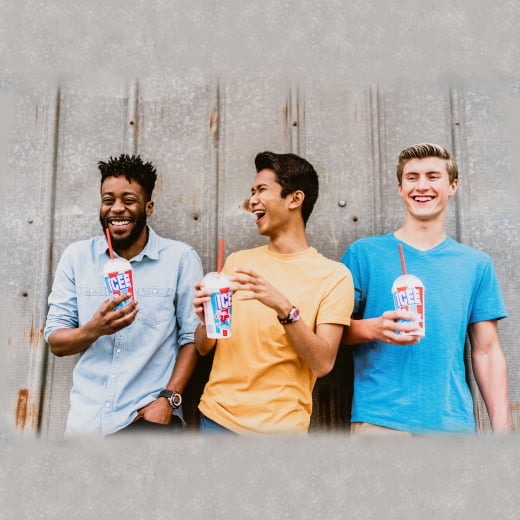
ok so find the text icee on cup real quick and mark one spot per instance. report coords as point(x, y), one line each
point(218, 310)
point(408, 293)
point(118, 277)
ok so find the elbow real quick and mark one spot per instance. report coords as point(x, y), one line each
point(203, 348)
point(55, 350)
point(324, 368)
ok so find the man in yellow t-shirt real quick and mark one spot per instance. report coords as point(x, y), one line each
point(290, 305)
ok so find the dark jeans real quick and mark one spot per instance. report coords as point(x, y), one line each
point(209, 426)
point(142, 426)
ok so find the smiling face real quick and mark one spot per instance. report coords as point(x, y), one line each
point(425, 188)
point(268, 206)
point(124, 211)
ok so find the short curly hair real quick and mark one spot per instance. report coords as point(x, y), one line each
point(133, 168)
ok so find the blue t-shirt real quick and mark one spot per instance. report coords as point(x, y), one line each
point(120, 373)
point(420, 388)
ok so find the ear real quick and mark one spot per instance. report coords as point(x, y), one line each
point(296, 199)
point(453, 188)
point(149, 208)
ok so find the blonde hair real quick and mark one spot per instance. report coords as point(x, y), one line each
point(423, 150)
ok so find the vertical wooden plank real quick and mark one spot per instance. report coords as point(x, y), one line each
point(338, 141)
point(176, 123)
point(254, 117)
point(94, 124)
point(489, 221)
point(408, 115)
point(27, 200)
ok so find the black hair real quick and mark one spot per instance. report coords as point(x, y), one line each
point(133, 168)
point(292, 173)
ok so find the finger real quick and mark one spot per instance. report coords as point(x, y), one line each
point(121, 298)
point(402, 339)
point(122, 311)
point(403, 326)
point(198, 285)
point(248, 272)
point(400, 315)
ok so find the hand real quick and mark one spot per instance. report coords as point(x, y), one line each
point(108, 321)
point(385, 326)
point(201, 296)
point(259, 289)
point(158, 411)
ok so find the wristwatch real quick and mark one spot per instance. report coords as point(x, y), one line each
point(174, 398)
point(293, 316)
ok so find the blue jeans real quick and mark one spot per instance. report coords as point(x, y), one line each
point(209, 426)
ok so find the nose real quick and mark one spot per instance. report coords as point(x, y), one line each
point(422, 184)
point(118, 206)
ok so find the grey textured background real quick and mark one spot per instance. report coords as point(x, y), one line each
point(378, 56)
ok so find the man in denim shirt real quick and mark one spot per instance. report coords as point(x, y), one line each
point(135, 361)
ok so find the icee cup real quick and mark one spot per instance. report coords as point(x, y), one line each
point(118, 276)
point(217, 311)
point(408, 293)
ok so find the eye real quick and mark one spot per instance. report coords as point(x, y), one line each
point(129, 201)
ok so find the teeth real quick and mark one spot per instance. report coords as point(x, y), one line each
point(423, 199)
point(119, 222)
point(258, 213)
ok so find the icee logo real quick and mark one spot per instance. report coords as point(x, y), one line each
point(407, 296)
point(223, 300)
point(119, 282)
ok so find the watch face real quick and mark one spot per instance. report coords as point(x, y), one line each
point(294, 315)
point(176, 400)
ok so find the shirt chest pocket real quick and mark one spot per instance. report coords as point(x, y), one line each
point(156, 305)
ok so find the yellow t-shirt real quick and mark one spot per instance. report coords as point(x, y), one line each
point(257, 382)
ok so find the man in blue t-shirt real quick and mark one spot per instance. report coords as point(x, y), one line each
point(412, 384)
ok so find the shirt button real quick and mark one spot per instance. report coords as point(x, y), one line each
point(118, 350)
point(113, 376)
point(107, 405)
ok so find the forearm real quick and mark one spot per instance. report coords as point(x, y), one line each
point(66, 342)
point(183, 369)
point(491, 375)
point(387, 328)
point(317, 350)
point(359, 331)
point(203, 344)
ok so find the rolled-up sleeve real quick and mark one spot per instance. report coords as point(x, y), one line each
point(190, 271)
point(63, 302)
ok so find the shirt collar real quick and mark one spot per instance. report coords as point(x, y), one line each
point(151, 249)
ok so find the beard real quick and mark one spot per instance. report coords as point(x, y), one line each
point(121, 244)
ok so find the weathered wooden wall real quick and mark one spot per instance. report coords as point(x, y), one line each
point(203, 136)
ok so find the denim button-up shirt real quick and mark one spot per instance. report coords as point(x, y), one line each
point(119, 374)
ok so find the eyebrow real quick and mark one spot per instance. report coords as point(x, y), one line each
point(125, 193)
point(418, 173)
point(259, 186)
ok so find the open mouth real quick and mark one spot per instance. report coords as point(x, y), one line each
point(259, 214)
point(423, 198)
point(119, 224)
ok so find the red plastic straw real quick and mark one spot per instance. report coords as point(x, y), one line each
point(220, 254)
point(109, 244)
point(401, 254)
